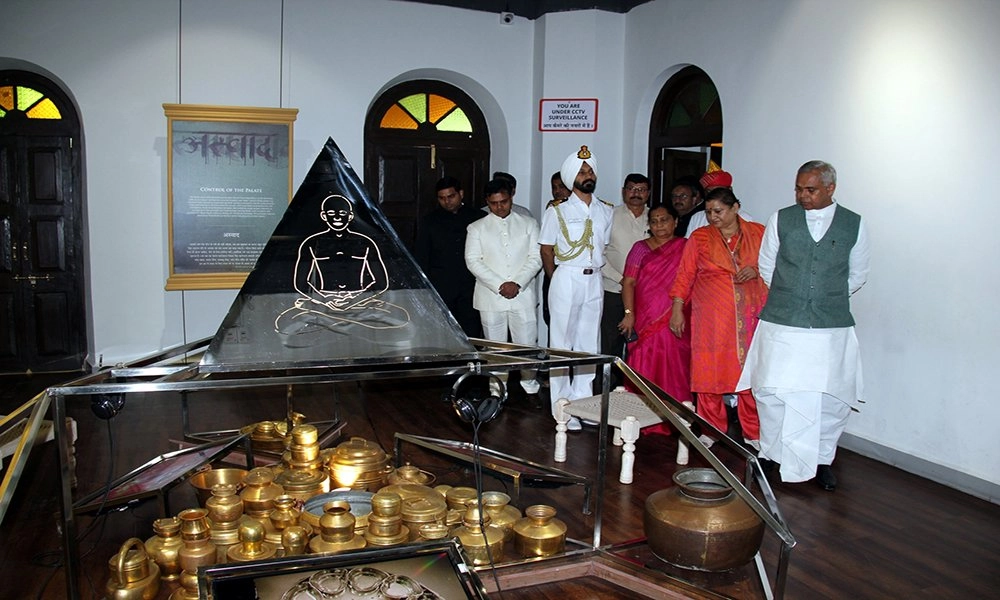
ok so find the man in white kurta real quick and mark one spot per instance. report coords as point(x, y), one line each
point(501, 251)
point(571, 242)
point(804, 365)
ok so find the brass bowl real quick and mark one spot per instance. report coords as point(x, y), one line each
point(203, 481)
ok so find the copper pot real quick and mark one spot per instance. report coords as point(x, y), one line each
point(701, 523)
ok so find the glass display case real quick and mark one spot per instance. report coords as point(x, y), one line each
point(336, 297)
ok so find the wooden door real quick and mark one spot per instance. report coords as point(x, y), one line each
point(42, 316)
point(405, 176)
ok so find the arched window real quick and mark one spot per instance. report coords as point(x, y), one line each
point(428, 111)
point(685, 129)
point(21, 101)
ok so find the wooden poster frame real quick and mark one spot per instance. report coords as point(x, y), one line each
point(236, 124)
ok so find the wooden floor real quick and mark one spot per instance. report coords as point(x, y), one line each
point(883, 534)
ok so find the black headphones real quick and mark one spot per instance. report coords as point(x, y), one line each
point(106, 406)
point(477, 410)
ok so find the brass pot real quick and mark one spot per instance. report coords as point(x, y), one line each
point(539, 532)
point(385, 523)
point(360, 502)
point(252, 544)
point(336, 531)
point(204, 481)
point(294, 540)
point(359, 464)
point(225, 509)
point(701, 524)
point(134, 575)
point(164, 546)
point(502, 514)
point(260, 491)
point(267, 436)
point(421, 511)
point(481, 543)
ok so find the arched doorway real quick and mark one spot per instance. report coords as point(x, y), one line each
point(416, 133)
point(42, 306)
point(685, 131)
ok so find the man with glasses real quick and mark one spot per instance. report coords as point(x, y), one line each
point(628, 226)
point(686, 196)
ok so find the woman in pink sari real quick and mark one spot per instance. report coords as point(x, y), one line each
point(657, 354)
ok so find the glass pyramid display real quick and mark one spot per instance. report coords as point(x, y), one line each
point(334, 285)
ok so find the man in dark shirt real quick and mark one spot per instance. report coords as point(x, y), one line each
point(440, 252)
point(686, 196)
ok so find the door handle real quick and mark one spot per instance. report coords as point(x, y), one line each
point(32, 279)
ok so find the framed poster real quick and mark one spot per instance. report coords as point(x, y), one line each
point(229, 181)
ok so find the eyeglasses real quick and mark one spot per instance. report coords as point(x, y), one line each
point(679, 196)
point(636, 188)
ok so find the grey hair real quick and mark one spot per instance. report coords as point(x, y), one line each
point(827, 174)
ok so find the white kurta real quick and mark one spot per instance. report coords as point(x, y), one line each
point(799, 375)
point(497, 251)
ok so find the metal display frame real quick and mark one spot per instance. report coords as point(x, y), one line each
point(177, 370)
point(519, 470)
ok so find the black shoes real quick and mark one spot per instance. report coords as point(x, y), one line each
point(825, 478)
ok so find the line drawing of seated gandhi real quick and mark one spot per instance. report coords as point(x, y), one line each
point(339, 275)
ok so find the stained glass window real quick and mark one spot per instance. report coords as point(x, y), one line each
point(31, 102)
point(430, 110)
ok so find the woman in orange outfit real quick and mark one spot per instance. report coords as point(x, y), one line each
point(718, 276)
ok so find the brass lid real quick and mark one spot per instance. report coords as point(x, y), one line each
point(167, 527)
point(305, 435)
point(259, 477)
point(302, 480)
point(359, 451)
point(411, 474)
point(410, 490)
point(386, 503)
point(424, 509)
point(458, 497)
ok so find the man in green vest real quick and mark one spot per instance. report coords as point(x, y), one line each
point(804, 366)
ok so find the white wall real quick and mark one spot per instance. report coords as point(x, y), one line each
point(899, 95)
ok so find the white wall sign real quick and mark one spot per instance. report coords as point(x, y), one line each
point(567, 114)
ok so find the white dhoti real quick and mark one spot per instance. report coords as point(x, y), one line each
point(799, 430)
point(806, 382)
point(576, 299)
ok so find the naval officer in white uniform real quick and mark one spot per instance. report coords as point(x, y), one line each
point(571, 241)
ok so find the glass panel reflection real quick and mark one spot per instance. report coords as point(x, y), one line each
point(333, 285)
